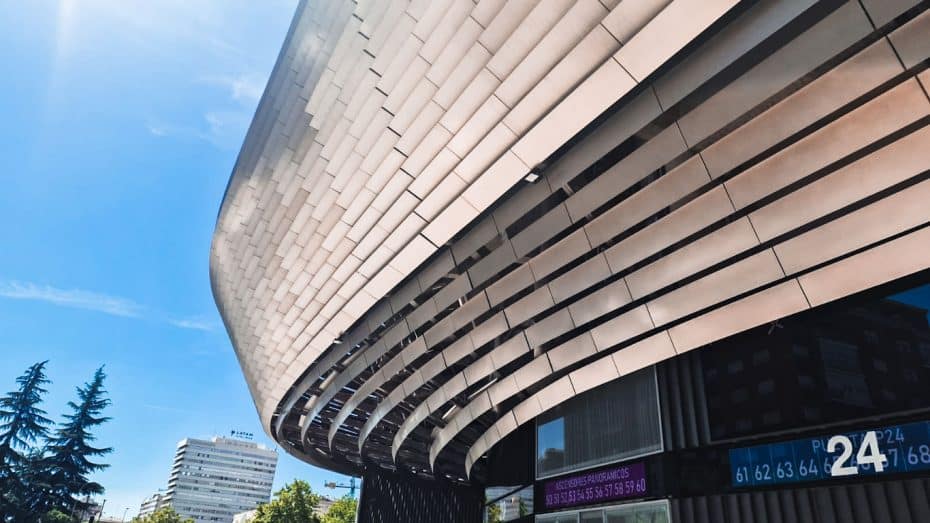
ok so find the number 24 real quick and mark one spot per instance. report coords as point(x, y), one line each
point(868, 453)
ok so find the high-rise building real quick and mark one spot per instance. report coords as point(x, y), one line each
point(215, 479)
point(593, 260)
point(151, 504)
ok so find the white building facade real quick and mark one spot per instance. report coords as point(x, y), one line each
point(151, 504)
point(213, 480)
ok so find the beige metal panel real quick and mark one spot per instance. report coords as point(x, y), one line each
point(579, 278)
point(857, 75)
point(528, 409)
point(463, 74)
point(549, 327)
point(488, 330)
point(593, 375)
point(884, 11)
point(622, 328)
point(480, 368)
point(444, 226)
point(483, 120)
point(529, 306)
point(877, 118)
point(420, 128)
point(395, 71)
point(704, 252)
point(504, 288)
point(626, 19)
point(507, 212)
point(432, 173)
point(889, 165)
point(771, 304)
point(437, 39)
point(571, 351)
point(635, 115)
point(487, 151)
point(486, 10)
point(878, 265)
point(684, 221)
point(924, 79)
point(492, 264)
point(478, 90)
point(912, 41)
point(429, 155)
point(431, 17)
point(521, 41)
point(447, 190)
point(533, 372)
point(606, 299)
point(509, 351)
point(480, 235)
point(555, 393)
point(412, 105)
point(465, 37)
point(751, 28)
point(644, 160)
point(565, 250)
point(668, 32)
point(595, 94)
point(504, 23)
point(497, 180)
point(642, 354)
point(580, 19)
point(458, 350)
point(732, 280)
point(882, 219)
point(540, 231)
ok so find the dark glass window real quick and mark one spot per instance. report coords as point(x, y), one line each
point(860, 358)
point(616, 421)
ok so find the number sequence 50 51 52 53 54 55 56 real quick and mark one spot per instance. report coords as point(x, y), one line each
point(895, 449)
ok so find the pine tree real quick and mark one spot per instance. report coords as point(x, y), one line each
point(22, 423)
point(69, 451)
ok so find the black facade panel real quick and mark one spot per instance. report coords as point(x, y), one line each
point(900, 501)
point(400, 498)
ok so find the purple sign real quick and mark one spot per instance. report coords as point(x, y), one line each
point(627, 481)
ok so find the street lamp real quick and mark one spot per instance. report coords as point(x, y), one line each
point(122, 519)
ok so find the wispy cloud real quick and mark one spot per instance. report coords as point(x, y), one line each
point(73, 298)
point(199, 324)
point(97, 302)
point(245, 88)
point(223, 128)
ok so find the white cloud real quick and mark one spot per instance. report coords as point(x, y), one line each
point(97, 302)
point(73, 298)
point(199, 324)
point(245, 88)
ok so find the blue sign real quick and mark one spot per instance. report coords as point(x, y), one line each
point(888, 450)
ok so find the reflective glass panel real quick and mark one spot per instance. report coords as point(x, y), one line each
point(616, 421)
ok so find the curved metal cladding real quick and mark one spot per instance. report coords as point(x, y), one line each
point(451, 216)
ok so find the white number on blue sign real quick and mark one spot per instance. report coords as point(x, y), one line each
point(869, 454)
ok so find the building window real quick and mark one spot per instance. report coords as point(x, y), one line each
point(619, 420)
point(647, 512)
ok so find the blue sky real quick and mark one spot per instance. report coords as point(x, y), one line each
point(120, 121)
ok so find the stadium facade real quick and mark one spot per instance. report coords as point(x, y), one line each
point(593, 260)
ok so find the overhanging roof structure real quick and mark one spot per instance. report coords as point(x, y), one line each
point(449, 216)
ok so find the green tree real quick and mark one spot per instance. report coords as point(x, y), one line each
point(57, 516)
point(494, 513)
point(69, 451)
point(22, 424)
point(163, 515)
point(292, 504)
point(341, 511)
